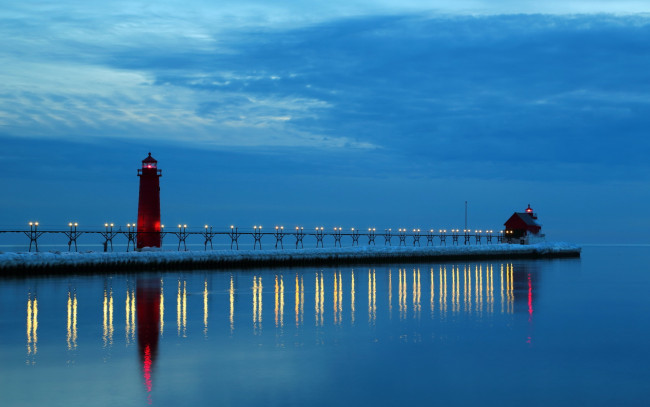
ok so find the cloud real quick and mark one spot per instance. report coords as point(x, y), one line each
point(437, 94)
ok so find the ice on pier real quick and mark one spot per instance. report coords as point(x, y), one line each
point(234, 258)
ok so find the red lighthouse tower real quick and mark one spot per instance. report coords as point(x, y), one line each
point(149, 204)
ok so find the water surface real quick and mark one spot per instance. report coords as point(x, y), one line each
point(562, 332)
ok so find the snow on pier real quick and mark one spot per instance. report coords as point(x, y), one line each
point(218, 259)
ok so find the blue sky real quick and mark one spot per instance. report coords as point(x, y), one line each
point(386, 114)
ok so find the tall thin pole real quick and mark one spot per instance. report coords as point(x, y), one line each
point(465, 215)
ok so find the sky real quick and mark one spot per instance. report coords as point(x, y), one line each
point(347, 113)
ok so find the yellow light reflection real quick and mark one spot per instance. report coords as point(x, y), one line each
point(352, 298)
point(335, 299)
point(105, 320)
point(205, 307)
point(231, 293)
point(502, 299)
point(340, 297)
point(72, 320)
point(372, 297)
point(476, 285)
point(302, 300)
point(432, 293)
point(453, 289)
point(129, 312)
point(444, 285)
point(281, 302)
point(390, 294)
point(369, 296)
point(178, 308)
point(184, 309)
point(276, 293)
point(257, 304)
point(417, 292)
point(299, 300)
point(400, 296)
point(469, 288)
point(69, 322)
point(457, 288)
point(491, 288)
point(32, 326)
point(465, 287)
point(110, 318)
point(480, 279)
point(511, 290)
point(181, 309)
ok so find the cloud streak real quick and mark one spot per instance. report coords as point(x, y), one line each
point(496, 92)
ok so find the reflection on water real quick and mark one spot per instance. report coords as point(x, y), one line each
point(107, 336)
point(144, 301)
point(299, 299)
point(231, 294)
point(257, 304)
point(279, 301)
point(32, 328)
point(72, 320)
point(460, 333)
point(205, 308)
point(148, 312)
point(181, 308)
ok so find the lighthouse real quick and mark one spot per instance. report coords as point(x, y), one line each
point(149, 204)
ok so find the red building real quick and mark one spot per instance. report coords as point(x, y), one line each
point(522, 225)
point(149, 204)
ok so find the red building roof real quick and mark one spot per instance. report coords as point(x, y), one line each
point(523, 221)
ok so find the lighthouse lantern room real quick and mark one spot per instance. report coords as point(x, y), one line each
point(149, 204)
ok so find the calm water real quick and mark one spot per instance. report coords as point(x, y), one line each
point(561, 332)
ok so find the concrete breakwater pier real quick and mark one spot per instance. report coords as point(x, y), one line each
point(88, 262)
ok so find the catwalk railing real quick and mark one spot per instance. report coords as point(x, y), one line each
point(337, 236)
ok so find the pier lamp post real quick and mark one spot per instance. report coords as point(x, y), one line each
point(108, 236)
point(73, 235)
point(466, 235)
point(319, 236)
point(416, 237)
point(454, 236)
point(300, 234)
point(371, 236)
point(430, 235)
point(208, 234)
point(388, 234)
point(488, 236)
point(279, 235)
point(477, 236)
point(257, 235)
point(182, 236)
point(130, 235)
point(162, 234)
point(443, 236)
point(337, 236)
point(402, 236)
point(500, 237)
point(234, 236)
point(33, 235)
point(355, 237)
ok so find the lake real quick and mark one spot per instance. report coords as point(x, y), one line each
point(538, 332)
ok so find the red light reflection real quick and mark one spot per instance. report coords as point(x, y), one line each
point(148, 308)
point(530, 299)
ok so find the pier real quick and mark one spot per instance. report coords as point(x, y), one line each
point(91, 262)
